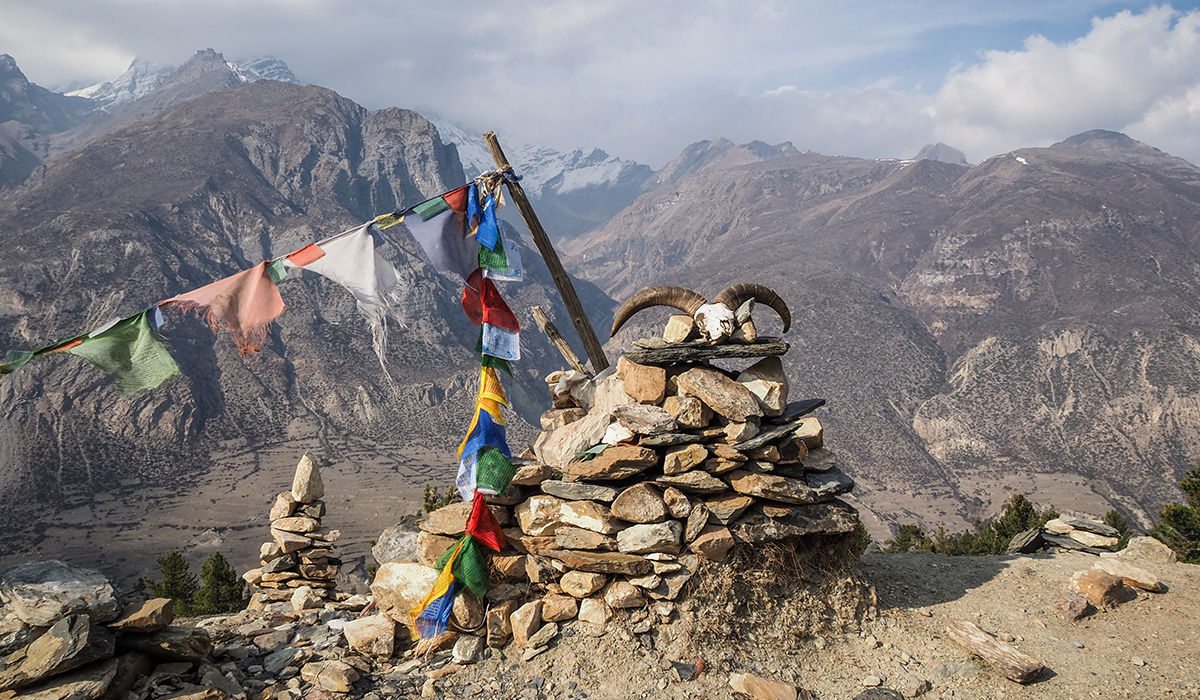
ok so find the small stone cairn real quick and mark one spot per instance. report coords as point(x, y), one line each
point(639, 475)
point(300, 554)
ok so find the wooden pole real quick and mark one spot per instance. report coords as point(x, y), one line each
point(571, 300)
point(555, 337)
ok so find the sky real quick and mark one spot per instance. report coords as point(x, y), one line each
point(642, 79)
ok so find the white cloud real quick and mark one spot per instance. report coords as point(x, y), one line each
point(1132, 72)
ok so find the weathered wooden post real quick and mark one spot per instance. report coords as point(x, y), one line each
point(582, 326)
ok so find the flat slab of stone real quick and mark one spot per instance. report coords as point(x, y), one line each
point(579, 491)
point(147, 616)
point(644, 419)
point(658, 352)
point(832, 518)
point(602, 562)
point(669, 439)
point(796, 409)
point(695, 481)
point(771, 487)
point(614, 463)
point(70, 643)
point(578, 538)
point(651, 537)
point(827, 485)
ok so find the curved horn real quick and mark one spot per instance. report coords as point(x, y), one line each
point(735, 295)
point(685, 300)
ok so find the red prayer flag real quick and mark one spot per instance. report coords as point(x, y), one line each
point(483, 304)
point(482, 524)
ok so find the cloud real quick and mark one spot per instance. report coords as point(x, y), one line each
point(644, 79)
point(1138, 73)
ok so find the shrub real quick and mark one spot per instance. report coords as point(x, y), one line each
point(988, 538)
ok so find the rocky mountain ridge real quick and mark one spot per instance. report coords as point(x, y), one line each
point(1024, 325)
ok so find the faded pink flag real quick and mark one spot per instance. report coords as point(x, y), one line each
point(245, 303)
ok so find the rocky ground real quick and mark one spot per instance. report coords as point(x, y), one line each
point(784, 615)
point(1149, 647)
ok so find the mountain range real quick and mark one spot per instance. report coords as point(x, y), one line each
point(1026, 324)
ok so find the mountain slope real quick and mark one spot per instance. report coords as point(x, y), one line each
point(29, 114)
point(204, 189)
point(1027, 324)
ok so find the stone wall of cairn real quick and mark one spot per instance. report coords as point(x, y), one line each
point(638, 475)
point(300, 553)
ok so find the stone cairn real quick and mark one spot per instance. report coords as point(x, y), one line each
point(300, 555)
point(639, 474)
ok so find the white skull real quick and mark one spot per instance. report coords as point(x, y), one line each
point(715, 321)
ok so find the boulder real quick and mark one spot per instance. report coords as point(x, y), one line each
point(695, 481)
point(595, 611)
point(525, 622)
point(285, 504)
point(397, 543)
point(41, 593)
point(689, 412)
point(759, 688)
point(558, 448)
point(713, 543)
point(499, 626)
point(602, 393)
point(727, 507)
point(640, 503)
point(1134, 576)
point(678, 460)
point(297, 523)
point(642, 419)
point(532, 474)
point(448, 520)
point(468, 649)
point(1100, 588)
point(622, 594)
point(371, 636)
point(91, 681)
point(70, 642)
point(307, 485)
point(829, 484)
point(578, 491)
point(305, 598)
point(601, 562)
point(1091, 539)
point(832, 518)
point(147, 616)
point(653, 537)
point(771, 486)
point(588, 515)
point(810, 432)
point(398, 586)
point(679, 328)
point(290, 541)
point(737, 431)
point(616, 462)
point(677, 503)
point(16, 633)
point(767, 381)
point(579, 538)
point(1148, 549)
point(538, 515)
point(644, 383)
point(332, 675)
point(556, 608)
point(430, 547)
point(720, 393)
point(581, 584)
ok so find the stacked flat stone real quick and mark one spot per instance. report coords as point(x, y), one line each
point(300, 552)
point(643, 472)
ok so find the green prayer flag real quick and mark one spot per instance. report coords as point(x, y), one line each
point(14, 359)
point(493, 471)
point(493, 259)
point(132, 350)
point(470, 566)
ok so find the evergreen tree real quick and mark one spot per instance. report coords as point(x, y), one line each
point(910, 537)
point(1114, 520)
point(222, 590)
point(176, 582)
point(1179, 523)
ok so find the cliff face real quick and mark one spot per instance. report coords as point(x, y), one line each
point(1026, 324)
point(200, 191)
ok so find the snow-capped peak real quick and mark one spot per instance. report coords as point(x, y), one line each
point(143, 76)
